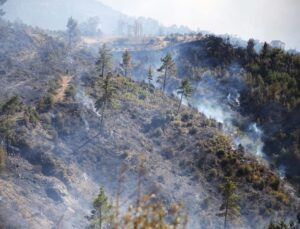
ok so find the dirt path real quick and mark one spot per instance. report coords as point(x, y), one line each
point(64, 83)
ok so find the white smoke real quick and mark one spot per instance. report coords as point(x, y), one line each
point(221, 103)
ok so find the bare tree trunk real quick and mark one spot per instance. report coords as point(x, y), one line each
point(100, 217)
point(102, 70)
point(226, 214)
point(165, 79)
point(180, 103)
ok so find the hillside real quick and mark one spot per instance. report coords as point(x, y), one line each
point(59, 153)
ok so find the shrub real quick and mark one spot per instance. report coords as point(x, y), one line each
point(168, 153)
point(244, 170)
point(282, 197)
point(212, 173)
point(158, 132)
point(186, 117)
point(3, 156)
point(193, 131)
point(45, 103)
point(274, 182)
point(70, 92)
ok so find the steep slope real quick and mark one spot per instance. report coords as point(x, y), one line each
point(57, 162)
point(268, 88)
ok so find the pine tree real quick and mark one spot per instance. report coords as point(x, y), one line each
point(251, 49)
point(102, 209)
point(12, 106)
point(104, 62)
point(168, 68)
point(185, 90)
point(3, 156)
point(229, 206)
point(106, 100)
point(150, 76)
point(72, 30)
point(7, 132)
point(126, 63)
point(1, 11)
point(8, 121)
point(282, 225)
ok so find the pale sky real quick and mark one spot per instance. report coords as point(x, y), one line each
point(265, 20)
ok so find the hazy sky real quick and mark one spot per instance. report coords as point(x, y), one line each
point(262, 19)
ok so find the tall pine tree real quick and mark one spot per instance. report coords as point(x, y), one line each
point(185, 90)
point(168, 68)
point(126, 63)
point(104, 61)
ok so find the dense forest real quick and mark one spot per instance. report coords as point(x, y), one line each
point(271, 95)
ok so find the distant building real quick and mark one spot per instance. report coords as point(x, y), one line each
point(277, 44)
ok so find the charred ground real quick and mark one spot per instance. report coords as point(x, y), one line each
point(51, 176)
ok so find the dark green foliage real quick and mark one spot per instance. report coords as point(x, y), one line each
point(282, 225)
point(8, 120)
point(45, 103)
point(31, 116)
point(150, 76)
point(70, 92)
point(126, 64)
point(168, 68)
point(104, 61)
point(106, 100)
point(102, 210)
point(2, 157)
point(229, 206)
point(250, 50)
point(185, 90)
point(272, 95)
point(12, 106)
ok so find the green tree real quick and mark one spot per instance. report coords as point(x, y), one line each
point(72, 30)
point(168, 68)
point(107, 99)
point(282, 225)
point(3, 156)
point(12, 106)
point(150, 76)
point(251, 49)
point(8, 121)
point(126, 63)
point(1, 11)
point(229, 207)
point(265, 60)
point(7, 132)
point(104, 62)
point(185, 90)
point(31, 116)
point(102, 210)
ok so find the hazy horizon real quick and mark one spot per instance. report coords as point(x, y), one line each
point(265, 20)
